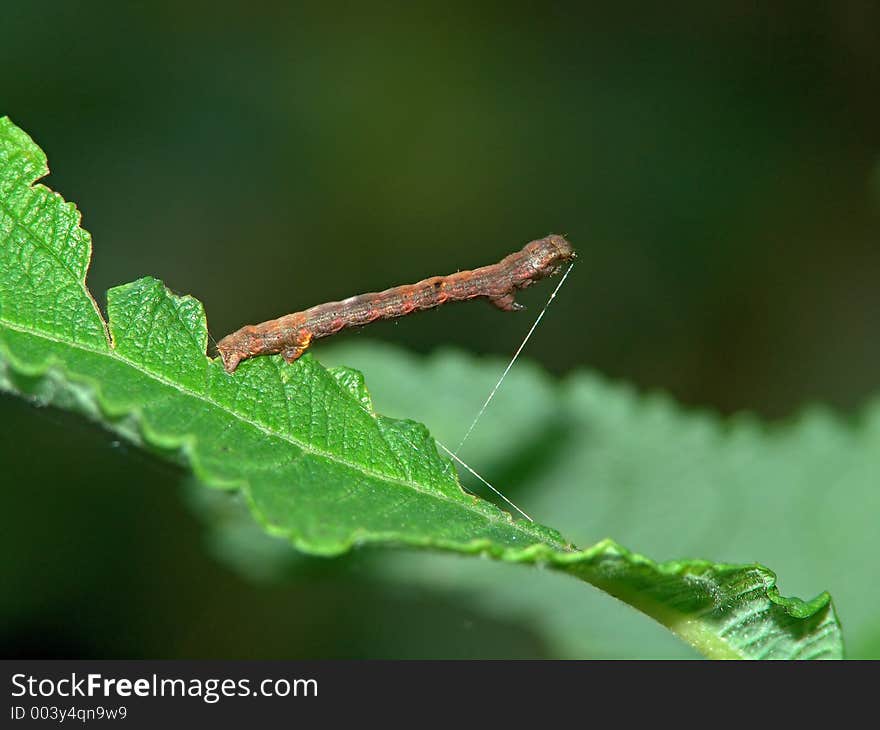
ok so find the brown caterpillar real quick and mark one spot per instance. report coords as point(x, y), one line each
point(292, 334)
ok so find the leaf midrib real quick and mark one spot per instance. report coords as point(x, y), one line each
point(114, 355)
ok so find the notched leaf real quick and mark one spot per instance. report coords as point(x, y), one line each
point(311, 458)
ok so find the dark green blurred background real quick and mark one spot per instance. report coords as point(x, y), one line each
point(717, 167)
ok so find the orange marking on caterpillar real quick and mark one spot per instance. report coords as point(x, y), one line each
point(292, 334)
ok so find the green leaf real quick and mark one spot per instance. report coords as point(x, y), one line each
point(313, 460)
point(607, 459)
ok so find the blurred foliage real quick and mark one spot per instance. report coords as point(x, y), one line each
point(609, 461)
point(713, 164)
